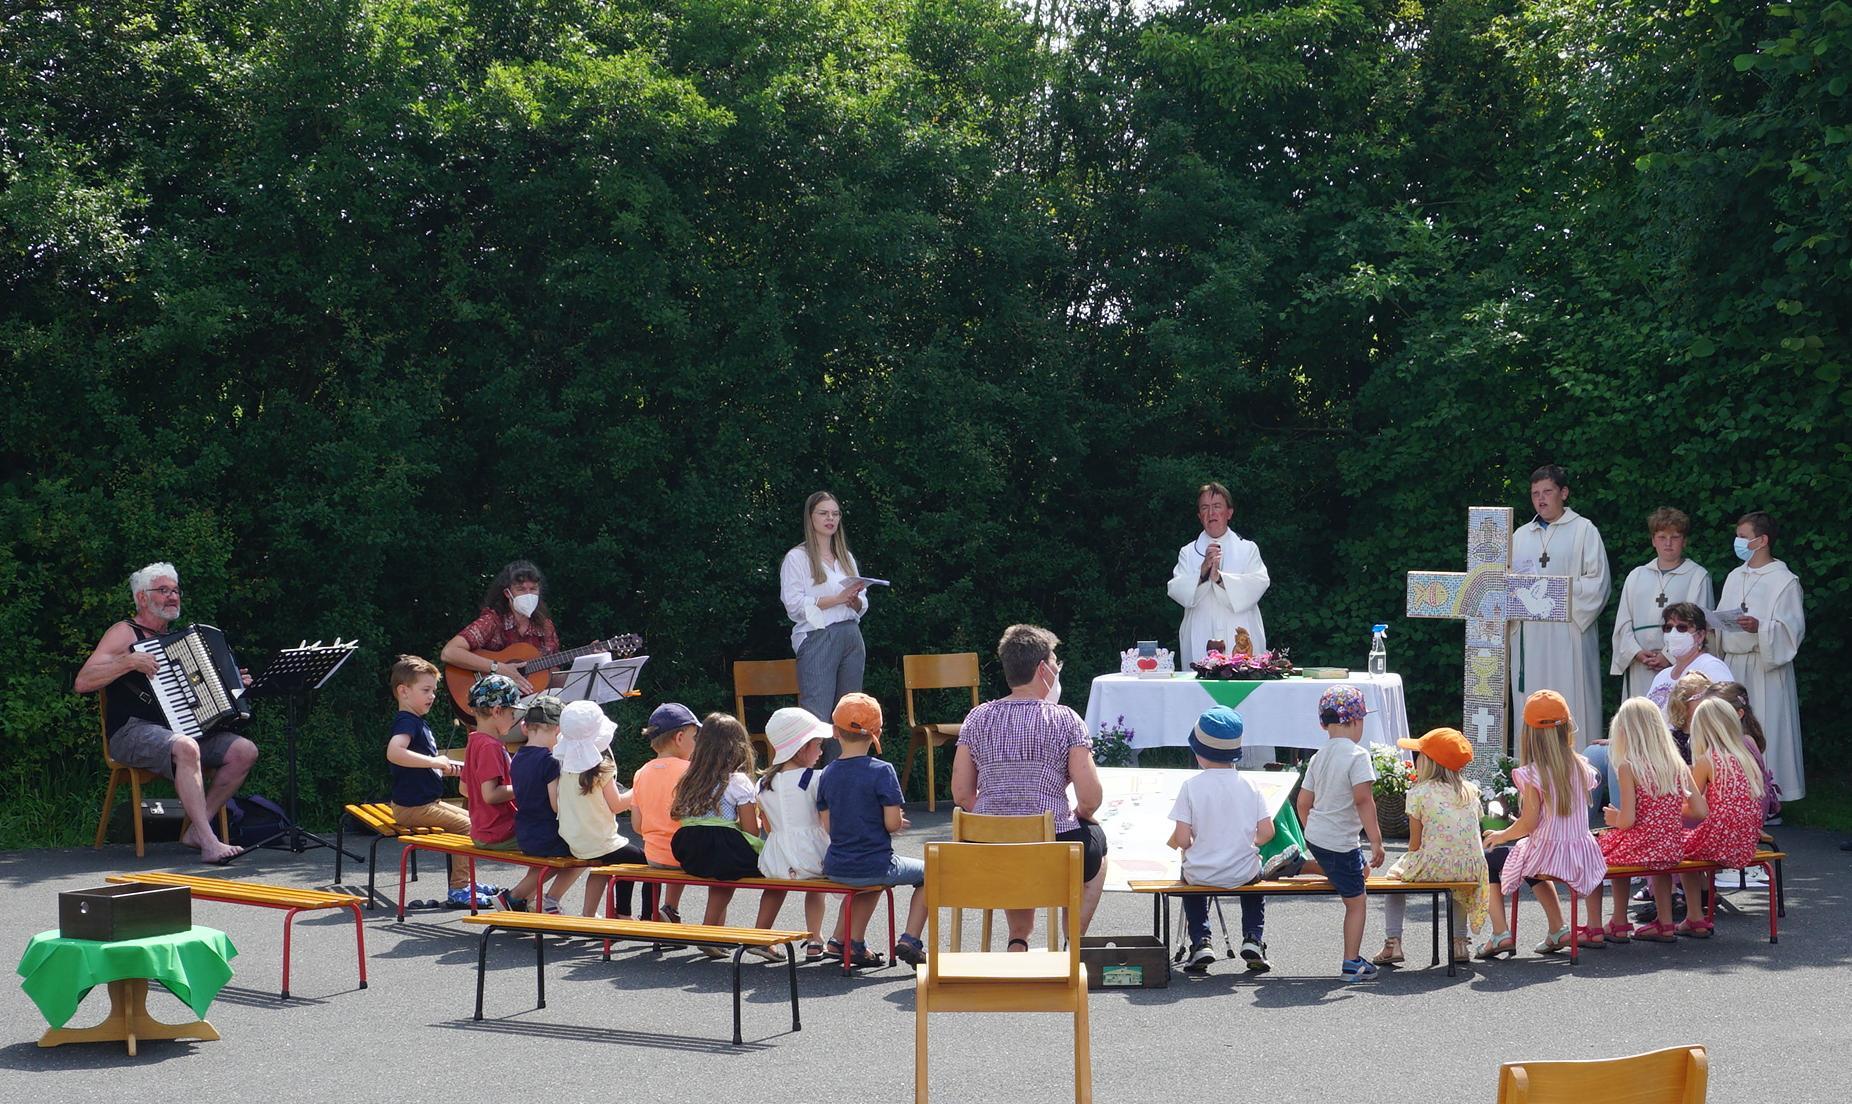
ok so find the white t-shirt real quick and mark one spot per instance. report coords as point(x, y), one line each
point(1222, 809)
point(1705, 664)
point(1334, 824)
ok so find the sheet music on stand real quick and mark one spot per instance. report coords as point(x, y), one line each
point(598, 678)
point(304, 668)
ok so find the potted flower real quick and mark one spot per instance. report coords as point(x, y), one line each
point(1394, 775)
point(1501, 797)
point(1113, 746)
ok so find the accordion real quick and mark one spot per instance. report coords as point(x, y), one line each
point(197, 684)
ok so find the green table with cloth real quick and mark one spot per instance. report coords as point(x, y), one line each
point(58, 973)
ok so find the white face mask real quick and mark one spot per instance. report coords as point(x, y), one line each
point(1678, 643)
point(525, 604)
point(1053, 697)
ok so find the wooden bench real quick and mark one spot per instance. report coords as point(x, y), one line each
point(377, 818)
point(263, 895)
point(634, 931)
point(639, 872)
point(460, 846)
point(1769, 861)
point(1305, 885)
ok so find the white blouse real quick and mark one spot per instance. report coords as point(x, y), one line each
point(800, 595)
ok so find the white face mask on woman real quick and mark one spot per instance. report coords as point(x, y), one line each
point(1053, 696)
point(525, 604)
point(1678, 644)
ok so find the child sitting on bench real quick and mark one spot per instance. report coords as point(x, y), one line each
point(718, 811)
point(670, 732)
point(1221, 823)
point(795, 841)
point(590, 799)
point(536, 797)
point(488, 772)
point(860, 806)
point(418, 771)
point(1725, 777)
point(1647, 827)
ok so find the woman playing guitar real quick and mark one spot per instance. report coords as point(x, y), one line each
point(513, 612)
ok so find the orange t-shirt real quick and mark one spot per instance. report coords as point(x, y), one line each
point(653, 789)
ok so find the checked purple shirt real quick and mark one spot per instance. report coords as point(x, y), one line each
point(1020, 748)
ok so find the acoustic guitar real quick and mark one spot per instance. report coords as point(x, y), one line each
point(533, 666)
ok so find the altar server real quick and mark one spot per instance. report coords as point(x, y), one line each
point(1760, 648)
point(1564, 657)
point(1218, 581)
point(1656, 585)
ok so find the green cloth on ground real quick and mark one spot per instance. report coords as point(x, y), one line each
point(193, 965)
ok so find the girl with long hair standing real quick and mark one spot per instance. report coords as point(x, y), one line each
point(818, 585)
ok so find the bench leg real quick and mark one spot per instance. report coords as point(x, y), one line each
point(738, 1039)
point(1434, 929)
point(482, 966)
point(892, 931)
point(372, 864)
point(1450, 929)
point(1575, 932)
point(1781, 892)
point(791, 968)
point(340, 826)
point(1774, 899)
point(360, 942)
point(540, 969)
point(409, 854)
point(288, 927)
point(848, 904)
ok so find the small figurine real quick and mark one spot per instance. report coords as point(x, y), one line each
point(1244, 644)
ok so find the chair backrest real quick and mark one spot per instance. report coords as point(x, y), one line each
point(938, 672)
point(1679, 1075)
point(762, 678)
point(102, 725)
point(984, 828)
point(1004, 876)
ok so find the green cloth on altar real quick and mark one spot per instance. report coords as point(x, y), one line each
point(193, 965)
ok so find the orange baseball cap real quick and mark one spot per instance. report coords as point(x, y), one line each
point(858, 713)
point(1443, 745)
point(1546, 709)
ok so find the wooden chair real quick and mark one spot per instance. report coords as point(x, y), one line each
point(137, 778)
point(981, 828)
point(934, 672)
point(1680, 1075)
point(762, 678)
point(1003, 876)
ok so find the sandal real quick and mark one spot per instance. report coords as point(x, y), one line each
point(1656, 932)
point(1391, 952)
point(1696, 929)
point(813, 951)
point(1499, 946)
point(769, 954)
point(1618, 931)
point(1591, 936)
point(1013, 942)
point(1462, 949)
point(1558, 940)
point(865, 959)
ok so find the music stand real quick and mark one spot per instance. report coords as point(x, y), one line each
point(600, 679)
point(295, 674)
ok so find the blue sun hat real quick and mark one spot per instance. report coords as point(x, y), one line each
point(1217, 736)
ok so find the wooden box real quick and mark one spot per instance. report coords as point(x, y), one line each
point(113, 913)
point(1125, 962)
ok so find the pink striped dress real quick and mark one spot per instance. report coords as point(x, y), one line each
point(1560, 846)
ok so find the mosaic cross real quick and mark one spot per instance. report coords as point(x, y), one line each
point(1487, 596)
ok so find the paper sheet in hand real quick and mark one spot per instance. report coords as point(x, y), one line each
point(1135, 815)
point(866, 580)
point(1724, 619)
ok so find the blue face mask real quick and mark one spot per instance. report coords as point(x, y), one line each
point(1741, 546)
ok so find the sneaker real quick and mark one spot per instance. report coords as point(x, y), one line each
point(549, 904)
point(487, 890)
point(1358, 969)
point(1755, 876)
point(508, 902)
point(1202, 956)
point(910, 951)
point(669, 914)
point(1254, 955)
point(1286, 864)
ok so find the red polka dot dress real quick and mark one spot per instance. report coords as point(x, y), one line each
point(1730, 833)
point(1657, 837)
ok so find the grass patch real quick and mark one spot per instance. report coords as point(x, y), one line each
point(1827, 805)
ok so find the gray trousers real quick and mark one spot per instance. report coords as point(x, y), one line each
point(830, 662)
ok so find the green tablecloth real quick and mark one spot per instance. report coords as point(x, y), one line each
point(193, 965)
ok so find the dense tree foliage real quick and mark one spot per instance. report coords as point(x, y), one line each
point(340, 306)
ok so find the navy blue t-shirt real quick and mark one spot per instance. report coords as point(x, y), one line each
point(536, 826)
point(857, 791)
point(415, 785)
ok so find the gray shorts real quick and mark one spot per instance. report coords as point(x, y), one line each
point(149, 746)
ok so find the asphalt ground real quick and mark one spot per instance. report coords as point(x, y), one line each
point(656, 1027)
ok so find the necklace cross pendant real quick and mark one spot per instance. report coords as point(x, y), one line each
point(1543, 560)
point(1661, 600)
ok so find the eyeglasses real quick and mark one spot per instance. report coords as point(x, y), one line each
point(1673, 626)
point(829, 515)
point(165, 592)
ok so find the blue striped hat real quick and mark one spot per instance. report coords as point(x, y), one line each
point(1217, 736)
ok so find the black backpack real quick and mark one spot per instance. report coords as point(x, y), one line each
point(254, 819)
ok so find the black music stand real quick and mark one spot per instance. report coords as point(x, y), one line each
point(599, 678)
point(295, 675)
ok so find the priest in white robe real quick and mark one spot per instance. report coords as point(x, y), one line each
point(1665, 580)
point(1761, 648)
point(1564, 657)
point(1218, 581)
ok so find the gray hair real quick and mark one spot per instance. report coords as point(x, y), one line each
point(144, 579)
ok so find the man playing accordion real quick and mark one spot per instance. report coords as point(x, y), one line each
point(138, 731)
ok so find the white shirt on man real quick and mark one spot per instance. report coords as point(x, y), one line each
point(1223, 810)
point(1564, 657)
point(1763, 661)
point(1643, 599)
point(1212, 609)
point(800, 594)
point(1332, 777)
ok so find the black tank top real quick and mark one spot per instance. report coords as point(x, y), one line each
point(132, 696)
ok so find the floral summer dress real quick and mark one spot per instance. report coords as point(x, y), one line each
point(1657, 837)
point(1450, 850)
point(1730, 833)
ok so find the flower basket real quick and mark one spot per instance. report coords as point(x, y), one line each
point(1221, 666)
point(1392, 815)
point(1393, 777)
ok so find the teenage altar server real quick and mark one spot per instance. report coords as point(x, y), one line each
point(1218, 581)
point(1665, 580)
point(1760, 649)
point(1564, 657)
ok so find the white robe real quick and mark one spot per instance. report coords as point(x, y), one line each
point(1565, 658)
point(1637, 620)
point(1763, 661)
point(1212, 610)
